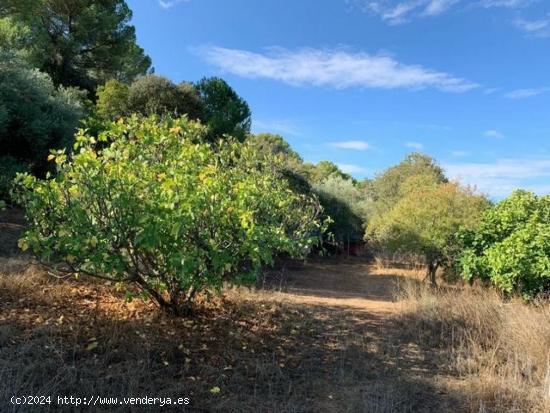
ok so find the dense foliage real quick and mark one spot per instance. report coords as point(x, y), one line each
point(78, 43)
point(511, 247)
point(148, 95)
point(153, 94)
point(386, 189)
point(344, 206)
point(225, 112)
point(342, 202)
point(159, 208)
point(112, 100)
point(426, 218)
point(35, 116)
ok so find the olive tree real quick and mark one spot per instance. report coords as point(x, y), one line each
point(156, 207)
point(426, 218)
point(386, 188)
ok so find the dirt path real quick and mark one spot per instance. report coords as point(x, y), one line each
point(383, 369)
point(351, 283)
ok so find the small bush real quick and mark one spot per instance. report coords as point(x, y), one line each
point(159, 208)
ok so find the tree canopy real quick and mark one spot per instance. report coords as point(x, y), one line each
point(80, 43)
point(225, 112)
point(272, 144)
point(425, 220)
point(385, 190)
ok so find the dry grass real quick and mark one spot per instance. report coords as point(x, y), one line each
point(500, 349)
point(265, 352)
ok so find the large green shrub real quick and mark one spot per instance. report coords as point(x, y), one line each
point(161, 209)
point(35, 116)
point(511, 247)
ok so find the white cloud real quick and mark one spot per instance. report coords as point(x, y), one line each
point(282, 126)
point(402, 11)
point(414, 145)
point(509, 4)
point(494, 134)
point(355, 145)
point(398, 12)
point(501, 177)
point(350, 168)
point(336, 68)
point(436, 7)
point(168, 4)
point(526, 93)
point(536, 28)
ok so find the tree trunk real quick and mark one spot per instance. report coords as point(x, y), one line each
point(431, 272)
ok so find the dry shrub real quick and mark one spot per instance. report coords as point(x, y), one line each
point(500, 348)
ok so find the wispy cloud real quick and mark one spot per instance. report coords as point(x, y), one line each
point(396, 12)
point(414, 145)
point(337, 68)
point(501, 177)
point(526, 93)
point(509, 4)
point(351, 169)
point(282, 126)
point(355, 145)
point(168, 4)
point(535, 28)
point(491, 133)
point(436, 7)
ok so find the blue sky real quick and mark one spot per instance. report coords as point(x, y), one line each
point(362, 83)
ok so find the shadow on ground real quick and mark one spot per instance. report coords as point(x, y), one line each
point(265, 353)
point(334, 277)
point(264, 356)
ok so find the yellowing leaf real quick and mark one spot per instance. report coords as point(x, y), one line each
point(22, 243)
point(215, 390)
point(51, 157)
point(91, 346)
